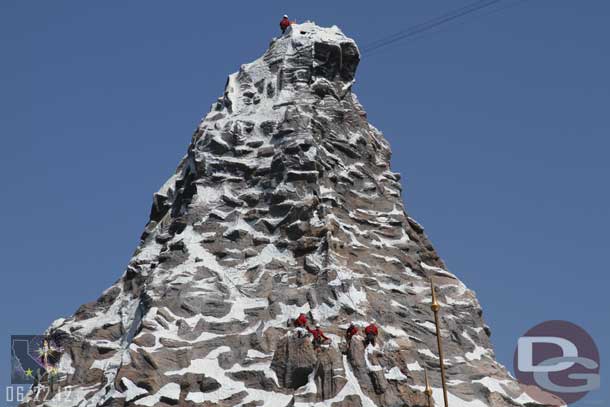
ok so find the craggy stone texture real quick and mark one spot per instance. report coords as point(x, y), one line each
point(284, 203)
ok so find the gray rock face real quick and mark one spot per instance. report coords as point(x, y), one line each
point(294, 359)
point(284, 203)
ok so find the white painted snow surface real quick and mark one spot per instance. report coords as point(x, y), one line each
point(394, 331)
point(494, 384)
point(395, 374)
point(414, 367)
point(427, 352)
point(170, 391)
point(478, 351)
point(371, 367)
point(132, 391)
point(211, 368)
point(254, 354)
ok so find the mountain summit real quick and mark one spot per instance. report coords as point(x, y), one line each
point(284, 204)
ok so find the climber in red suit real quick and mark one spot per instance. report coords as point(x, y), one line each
point(349, 333)
point(318, 336)
point(371, 333)
point(284, 23)
point(300, 323)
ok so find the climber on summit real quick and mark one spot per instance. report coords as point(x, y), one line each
point(284, 23)
point(349, 333)
point(318, 336)
point(371, 333)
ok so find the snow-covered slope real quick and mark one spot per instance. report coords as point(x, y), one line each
point(284, 203)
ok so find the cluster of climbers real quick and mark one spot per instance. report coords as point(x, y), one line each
point(302, 329)
point(301, 326)
point(370, 333)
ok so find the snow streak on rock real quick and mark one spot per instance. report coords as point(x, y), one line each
point(284, 203)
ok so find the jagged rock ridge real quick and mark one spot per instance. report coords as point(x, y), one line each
point(284, 203)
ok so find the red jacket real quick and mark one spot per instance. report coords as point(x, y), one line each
point(317, 333)
point(351, 331)
point(371, 329)
point(301, 320)
point(285, 23)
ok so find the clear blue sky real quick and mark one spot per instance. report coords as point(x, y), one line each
point(499, 125)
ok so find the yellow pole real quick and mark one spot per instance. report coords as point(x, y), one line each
point(428, 391)
point(435, 308)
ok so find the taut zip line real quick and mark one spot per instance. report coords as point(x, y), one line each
point(415, 30)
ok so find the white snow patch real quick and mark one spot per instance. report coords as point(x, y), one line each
point(371, 367)
point(493, 384)
point(430, 326)
point(353, 298)
point(394, 331)
point(211, 368)
point(410, 273)
point(170, 391)
point(324, 311)
point(65, 364)
point(438, 271)
point(395, 374)
point(56, 324)
point(525, 398)
point(478, 351)
point(253, 354)
point(396, 304)
point(207, 195)
point(428, 353)
point(133, 390)
point(391, 286)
